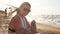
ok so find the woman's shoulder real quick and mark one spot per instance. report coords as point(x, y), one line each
point(15, 18)
point(14, 21)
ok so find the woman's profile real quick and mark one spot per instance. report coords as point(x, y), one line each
point(19, 24)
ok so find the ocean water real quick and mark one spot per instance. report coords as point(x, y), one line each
point(52, 20)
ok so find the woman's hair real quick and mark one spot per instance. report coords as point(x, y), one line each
point(25, 3)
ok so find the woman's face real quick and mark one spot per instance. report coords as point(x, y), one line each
point(24, 10)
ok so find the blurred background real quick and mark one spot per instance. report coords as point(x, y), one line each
point(46, 13)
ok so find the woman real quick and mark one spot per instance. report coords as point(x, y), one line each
point(19, 24)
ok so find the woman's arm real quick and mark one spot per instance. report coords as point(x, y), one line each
point(18, 26)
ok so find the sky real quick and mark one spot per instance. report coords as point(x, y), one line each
point(38, 7)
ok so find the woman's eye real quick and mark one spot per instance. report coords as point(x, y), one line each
point(26, 9)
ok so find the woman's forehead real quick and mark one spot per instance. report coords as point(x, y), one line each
point(26, 6)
